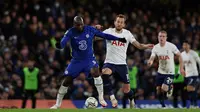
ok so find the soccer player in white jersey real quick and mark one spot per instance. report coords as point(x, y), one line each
point(190, 60)
point(165, 51)
point(115, 62)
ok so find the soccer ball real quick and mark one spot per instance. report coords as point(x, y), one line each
point(91, 103)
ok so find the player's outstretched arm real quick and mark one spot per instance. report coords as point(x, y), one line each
point(152, 57)
point(150, 61)
point(181, 63)
point(109, 37)
point(197, 60)
point(62, 42)
point(142, 46)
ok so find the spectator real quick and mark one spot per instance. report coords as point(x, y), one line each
point(30, 82)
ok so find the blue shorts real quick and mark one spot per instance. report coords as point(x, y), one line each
point(120, 71)
point(191, 80)
point(164, 79)
point(78, 66)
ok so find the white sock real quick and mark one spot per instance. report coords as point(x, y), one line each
point(61, 93)
point(99, 85)
point(112, 97)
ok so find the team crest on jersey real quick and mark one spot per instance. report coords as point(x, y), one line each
point(87, 35)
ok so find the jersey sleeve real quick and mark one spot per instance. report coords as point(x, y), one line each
point(65, 39)
point(106, 31)
point(197, 59)
point(153, 52)
point(131, 38)
point(175, 49)
point(104, 35)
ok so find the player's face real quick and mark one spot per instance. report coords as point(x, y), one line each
point(186, 46)
point(119, 23)
point(162, 38)
point(79, 26)
point(30, 64)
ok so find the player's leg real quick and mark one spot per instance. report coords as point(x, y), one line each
point(106, 73)
point(175, 95)
point(98, 82)
point(70, 73)
point(93, 68)
point(67, 81)
point(183, 94)
point(167, 86)
point(159, 91)
point(191, 82)
point(122, 71)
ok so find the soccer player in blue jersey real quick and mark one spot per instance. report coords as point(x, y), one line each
point(83, 59)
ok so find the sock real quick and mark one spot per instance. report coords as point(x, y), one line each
point(194, 98)
point(190, 97)
point(112, 97)
point(161, 99)
point(107, 84)
point(61, 93)
point(130, 95)
point(99, 85)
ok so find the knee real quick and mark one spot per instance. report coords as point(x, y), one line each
point(107, 71)
point(68, 81)
point(126, 88)
point(165, 87)
point(190, 88)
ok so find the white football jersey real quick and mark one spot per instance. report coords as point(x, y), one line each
point(165, 56)
point(190, 61)
point(116, 50)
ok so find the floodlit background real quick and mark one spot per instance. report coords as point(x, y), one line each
point(29, 29)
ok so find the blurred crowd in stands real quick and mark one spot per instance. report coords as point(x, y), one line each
point(30, 27)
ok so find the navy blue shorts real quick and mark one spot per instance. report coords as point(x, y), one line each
point(191, 80)
point(78, 66)
point(164, 79)
point(120, 72)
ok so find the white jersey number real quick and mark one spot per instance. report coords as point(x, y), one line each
point(82, 45)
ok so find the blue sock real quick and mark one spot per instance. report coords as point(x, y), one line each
point(107, 84)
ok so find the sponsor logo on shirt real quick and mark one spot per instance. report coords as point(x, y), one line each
point(163, 57)
point(117, 43)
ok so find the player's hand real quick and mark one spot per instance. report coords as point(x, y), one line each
point(122, 40)
point(150, 46)
point(149, 63)
point(98, 27)
point(182, 72)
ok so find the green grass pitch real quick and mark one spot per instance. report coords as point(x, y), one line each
point(100, 110)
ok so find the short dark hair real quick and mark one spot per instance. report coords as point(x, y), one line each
point(120, 16)
point(78, 20)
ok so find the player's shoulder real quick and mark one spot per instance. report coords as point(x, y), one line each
point(109, 30)
point(86, 27)
point(169, 44)
point(157, 45)
point(69, 31)
point(126, 31)
point(183, 53)
point(193, 52)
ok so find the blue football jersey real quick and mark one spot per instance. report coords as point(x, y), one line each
point(81, 42)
